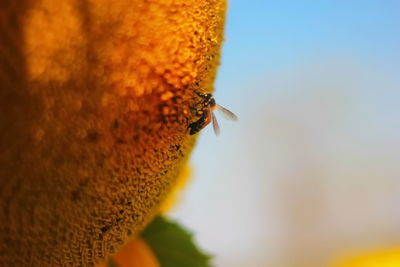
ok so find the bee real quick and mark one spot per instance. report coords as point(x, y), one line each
point(205, 110)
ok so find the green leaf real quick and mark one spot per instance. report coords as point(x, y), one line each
point(111, 263)
point(173, 245)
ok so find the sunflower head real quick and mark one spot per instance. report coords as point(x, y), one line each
point(95, 97)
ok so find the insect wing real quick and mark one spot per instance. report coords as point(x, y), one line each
point(215, 124)
point(227, 113)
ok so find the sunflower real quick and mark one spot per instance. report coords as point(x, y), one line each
point(95, 102)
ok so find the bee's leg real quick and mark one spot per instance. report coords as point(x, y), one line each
point(196, 111)
point(209, 116)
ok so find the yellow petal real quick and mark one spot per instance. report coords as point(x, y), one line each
point(173, 195)
point(380, 258)
point(135, 254)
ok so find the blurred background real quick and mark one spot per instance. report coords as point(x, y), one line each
point(312, 169)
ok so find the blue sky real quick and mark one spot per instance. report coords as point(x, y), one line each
point(266, 35)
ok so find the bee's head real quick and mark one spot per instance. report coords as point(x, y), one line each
point(212, 102)
point(207, 98)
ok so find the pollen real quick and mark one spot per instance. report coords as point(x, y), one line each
point(167, 95)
